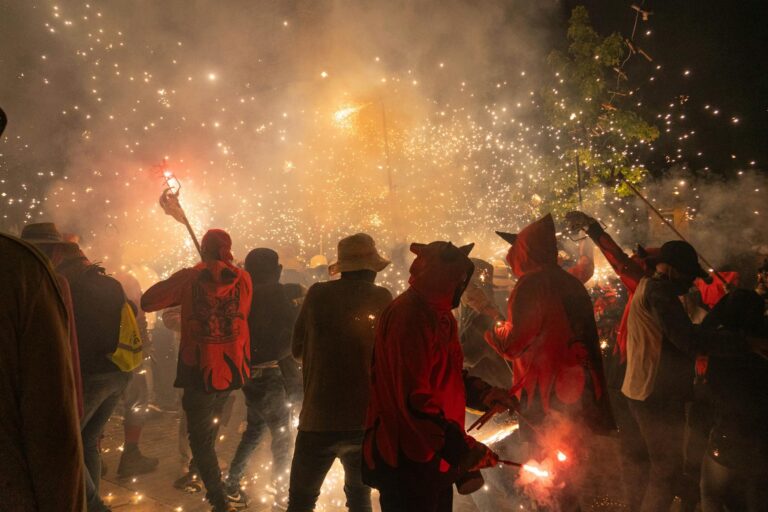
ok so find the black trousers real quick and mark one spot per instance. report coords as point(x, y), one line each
point(203, 412)
point(661, 425)
point(313, 456)
point(411, 486)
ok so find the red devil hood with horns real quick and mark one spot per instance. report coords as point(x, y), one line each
point(215, 299)
point(417, 392)
point(550, 335)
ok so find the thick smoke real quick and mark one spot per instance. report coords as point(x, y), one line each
point(241, 97)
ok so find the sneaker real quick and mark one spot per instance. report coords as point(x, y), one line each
point(237, 498)
point(189, 483)
point(133, 463)
point(226, 507)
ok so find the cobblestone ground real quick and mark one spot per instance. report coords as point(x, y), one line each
point(155, 492)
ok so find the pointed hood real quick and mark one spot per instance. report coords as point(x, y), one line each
point(440, 273)
point(535, 247)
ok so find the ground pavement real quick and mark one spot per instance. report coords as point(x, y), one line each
point(155, 492)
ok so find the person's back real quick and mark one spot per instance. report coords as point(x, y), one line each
point(333, 338)
point(337, 326)
point(97, 300)
point(214, 353)
point(40, 450)
point(551, 335)
point(270, 323)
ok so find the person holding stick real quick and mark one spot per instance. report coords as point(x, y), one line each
point(214, 355)
point(662, 344)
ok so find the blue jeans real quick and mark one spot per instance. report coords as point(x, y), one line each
point(313, 456)
point(101, 392)
point(267, 409)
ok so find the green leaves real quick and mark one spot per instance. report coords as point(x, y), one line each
point(590, 103)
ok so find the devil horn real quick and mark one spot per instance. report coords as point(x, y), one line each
point(510, 238)
point(416, 248)
point(466, 249)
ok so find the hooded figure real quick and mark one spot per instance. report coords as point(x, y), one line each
point(550, 335)
point(214, 353)
point(415, 445)
point(215, 299)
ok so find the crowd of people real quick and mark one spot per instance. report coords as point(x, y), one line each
point(384, 384)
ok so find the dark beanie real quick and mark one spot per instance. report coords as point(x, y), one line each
point(262, 264)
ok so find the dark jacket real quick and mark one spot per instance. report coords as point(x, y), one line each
point(98, 301)
point(739, 386)
point(333, 339)
point(270, 323)
point(41, 460)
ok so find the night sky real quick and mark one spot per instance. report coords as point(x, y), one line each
point(724, 46)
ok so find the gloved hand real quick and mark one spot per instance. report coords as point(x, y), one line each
point(500, 400)
point(577, 221)
point(477, 457)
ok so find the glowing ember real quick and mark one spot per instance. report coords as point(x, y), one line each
point(342, 115)
point(538, 472)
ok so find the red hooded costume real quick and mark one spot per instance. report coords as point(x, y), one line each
point(550, 334)
point(418, 391)
point(215, 299)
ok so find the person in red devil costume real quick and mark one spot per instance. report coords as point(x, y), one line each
point(551, 338)
point(415, 444)
point(214, 355)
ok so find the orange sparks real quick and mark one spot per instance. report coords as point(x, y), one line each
point(541, 473)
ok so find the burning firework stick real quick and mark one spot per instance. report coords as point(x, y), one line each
point(670, 226)
point(169, 202)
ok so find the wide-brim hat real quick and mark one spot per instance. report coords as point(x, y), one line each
point(42, 233)
point(358, 252)
point(683, 258)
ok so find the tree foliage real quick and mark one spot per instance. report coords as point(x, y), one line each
point(591, 105)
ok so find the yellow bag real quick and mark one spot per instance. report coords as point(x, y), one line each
point(129, 353)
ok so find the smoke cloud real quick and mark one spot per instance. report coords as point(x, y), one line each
point(247, 101)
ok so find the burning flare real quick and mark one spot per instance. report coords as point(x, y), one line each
point(536, 471)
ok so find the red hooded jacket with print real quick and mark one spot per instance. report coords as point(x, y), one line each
point(550, 333)
point(215, 299)
point(418, 389)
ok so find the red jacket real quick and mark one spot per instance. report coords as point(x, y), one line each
point(550, 333)
point(630, 269)
point(711, 293)
point(417, 386)
point(215, 299)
